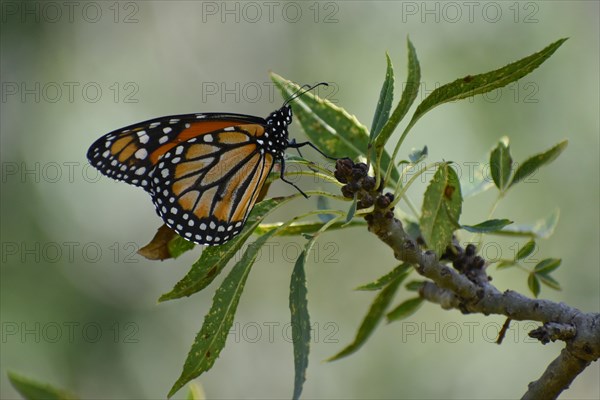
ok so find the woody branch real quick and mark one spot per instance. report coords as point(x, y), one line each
point(466, 286)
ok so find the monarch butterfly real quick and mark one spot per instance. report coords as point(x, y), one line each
point(203, 171)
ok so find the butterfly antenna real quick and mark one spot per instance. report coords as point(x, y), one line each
point(303, 89)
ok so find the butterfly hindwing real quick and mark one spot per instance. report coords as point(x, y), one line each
point(204, 188)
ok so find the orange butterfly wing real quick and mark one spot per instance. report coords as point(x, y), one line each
point(205, 187)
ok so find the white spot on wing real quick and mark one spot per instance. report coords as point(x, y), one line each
point(141, 154)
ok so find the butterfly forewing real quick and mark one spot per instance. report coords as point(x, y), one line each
point(129, 154)
point(205, 187)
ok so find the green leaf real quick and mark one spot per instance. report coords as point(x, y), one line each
point(534, 284)
point(212, 336)
point(178, 245)
point(329, 127)
point(300, 316)
point(370, 321)
point(543, 228)
point(405, 309)
point(399, 271)
point(533, 163)
point(34, 390)
point(418, 155)
point(505, 264)
point(475, 180)
point(491, 225)
point(442, 205)
point(386, 96)
point(526, 250)
point(215, 258)
point(300, 323)
point(549, 281)
point(409, 94)
point(323, 204)
point(300, 228)
point(470, 85)
point(546, 266)
point(195, 392)
point(501, 164)
point(351, 211)
point(414, 286)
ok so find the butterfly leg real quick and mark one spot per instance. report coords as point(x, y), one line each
point(294, 145)
point(290, 182)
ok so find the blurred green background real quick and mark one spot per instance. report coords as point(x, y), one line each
point(79, 306)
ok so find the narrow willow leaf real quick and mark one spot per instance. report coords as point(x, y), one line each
point(386, 96)
point(302, 228)
point(418, 155)
point(300, 317)
point(543, 228)
point(212, 336)
point(501, 164)
point(533, 163)
point(470, 85)
point(399, 271)
point(369, 323)
point(534, 284)
point(215, 258)
point(300, 323)
point(475, 179)
point(505, 264)
point(329, 127)
point(549, 281)
point(491, 225)
point(34, 390)
point(526, 250)
point(414, 286)
point(178, 246)
point(195, 392)
point(546, 266)
point(323, 204)
point(409, 94)
point(351, 211)
point(405, 309)
point(441, 210)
